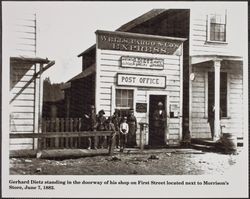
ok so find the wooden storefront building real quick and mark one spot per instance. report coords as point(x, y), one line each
point(204, 70)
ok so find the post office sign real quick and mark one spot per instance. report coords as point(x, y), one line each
point(141, 80)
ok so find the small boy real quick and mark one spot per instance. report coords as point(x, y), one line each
point(124, 131)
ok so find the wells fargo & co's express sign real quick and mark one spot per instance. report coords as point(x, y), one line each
point(136, 42)
point(141, 80)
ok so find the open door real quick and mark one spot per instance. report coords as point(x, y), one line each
point(156, 138)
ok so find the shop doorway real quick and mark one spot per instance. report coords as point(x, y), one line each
point(156, 138)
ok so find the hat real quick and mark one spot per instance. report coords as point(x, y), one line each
point(92, 106)
point(102, 111)
point(160, 104)
point(125, 118)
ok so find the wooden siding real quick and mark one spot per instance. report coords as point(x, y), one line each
point(22, 109)
point(198, 36)
point(234, 122)
point(22, 33)
point(109, 64)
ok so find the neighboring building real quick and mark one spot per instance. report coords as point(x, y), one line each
point(53, 100)
point(25, 82)
point(208, 72)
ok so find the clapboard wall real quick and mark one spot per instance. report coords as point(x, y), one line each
point(199, 44)
point(234, 121)
point(109, 64)
point(24, 105)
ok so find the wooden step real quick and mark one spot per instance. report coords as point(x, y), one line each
point(203, 142)
point(203, 147)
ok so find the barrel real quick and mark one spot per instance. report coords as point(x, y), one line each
point(229, 142)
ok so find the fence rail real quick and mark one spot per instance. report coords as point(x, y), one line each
point(67, 133)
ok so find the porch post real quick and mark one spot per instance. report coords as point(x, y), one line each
point(217, 64)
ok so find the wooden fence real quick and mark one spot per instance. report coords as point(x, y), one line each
point(67, 133)
point(50, 126)
point(61, 125)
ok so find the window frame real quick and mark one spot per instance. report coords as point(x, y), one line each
point(114, 88)
point(208, 40)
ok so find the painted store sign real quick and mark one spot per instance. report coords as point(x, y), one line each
point(141, 80)
point(142, 62)
point(136, 43)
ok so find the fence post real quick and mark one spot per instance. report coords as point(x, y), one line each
point(62, 130)
point(43, 140)
point(75, 139)
point(112, 142)
point(53, 128)
point(56, 130)
point(67, 130)
point(48, 140)
point(79, 129)
point(71, 130)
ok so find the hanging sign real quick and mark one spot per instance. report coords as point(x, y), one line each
point(141, 80)
point(124, 41)
point(142, 62)
point(141, 107)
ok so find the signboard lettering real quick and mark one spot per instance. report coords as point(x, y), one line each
point(141, 80)
point(136, 43)
point(141, 107)
point(142, 62)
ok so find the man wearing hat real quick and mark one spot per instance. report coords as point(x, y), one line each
point(116, 120)
point(159, 124)
point(101, 120)
point(92, 127)
point(132, 123)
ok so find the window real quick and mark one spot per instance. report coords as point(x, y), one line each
point(217, 28)
point(124, 100)
point(223, 92)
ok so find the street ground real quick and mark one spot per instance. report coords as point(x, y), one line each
point(130, 162)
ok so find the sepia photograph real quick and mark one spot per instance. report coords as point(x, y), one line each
point(97, 93)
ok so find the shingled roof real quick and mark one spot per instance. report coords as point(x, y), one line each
point(141, 19)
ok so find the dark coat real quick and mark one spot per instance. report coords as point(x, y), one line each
point(132, 123)
point(101, 120)
point(159, 120)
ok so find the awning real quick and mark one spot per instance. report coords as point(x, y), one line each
point(15, 61)
point(27, 59)
point(88, 71)
point(196, 59)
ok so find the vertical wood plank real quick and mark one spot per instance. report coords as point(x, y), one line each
point(56, 130)
point(48, 123)
point(71, 127)
point(79, 129)
point(43, 140)
point(75, 140)
point(62, 130)
point(53, 124)
point(67, 130)
point(112, 143)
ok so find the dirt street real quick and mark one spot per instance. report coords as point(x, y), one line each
point(150, 162)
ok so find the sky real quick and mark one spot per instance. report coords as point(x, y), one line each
point(65, 29)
